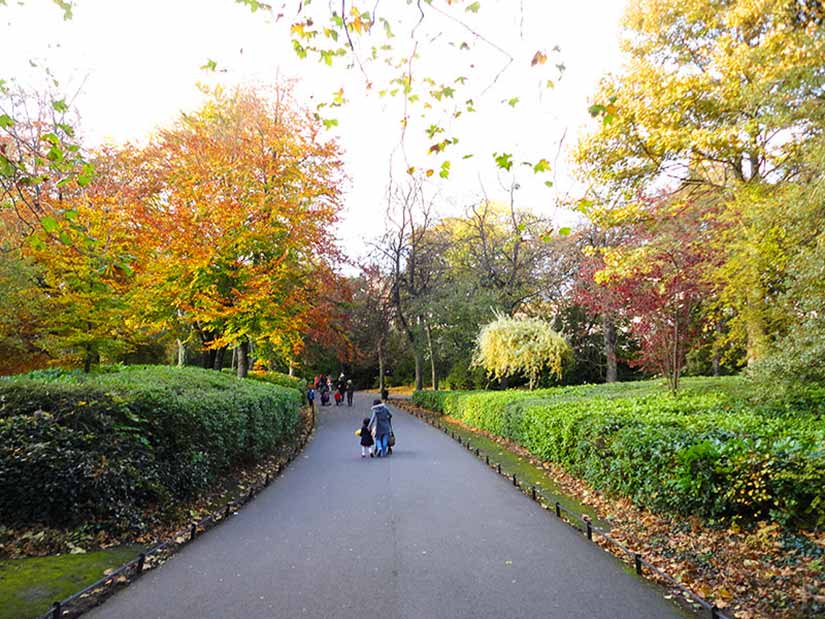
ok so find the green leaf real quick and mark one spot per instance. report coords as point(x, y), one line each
point(473, 8)
point(210, 65)
point(445, 170)
point(548, 183)
point(6, 121)
point(49, 224)
point(70, 214)
point(329, 123)
point(565, 231)
point(503, 160)
point(65, 238)
point(60, 106)
point(512, 102)
point(86, 175)
point(542, 166)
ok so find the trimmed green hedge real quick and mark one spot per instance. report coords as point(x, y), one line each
point(705, 452)
point(106, 449)
point(279, 378)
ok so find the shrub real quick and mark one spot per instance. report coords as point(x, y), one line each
point(278, 378)
point(104, 449)
point(705, 452)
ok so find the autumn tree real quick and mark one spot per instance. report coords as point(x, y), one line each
point(245, 190)
point(720, 99)
point(527, 346)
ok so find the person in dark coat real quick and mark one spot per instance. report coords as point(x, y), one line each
point(381, 426)
point(350, 392)
point(366, 437)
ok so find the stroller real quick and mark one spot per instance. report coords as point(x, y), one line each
point(325, 398)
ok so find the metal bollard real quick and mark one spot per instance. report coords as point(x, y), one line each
point(533, 493)
point(515, 480)
point(141, 562)
point(57, 610)
point(228, 510)
point(193, 531)
point(714, 612)
point(487, 460)
point(558, 509)
point(267, 479)
point(637, 560)
point(589, 531)
point(498, 468)
point(478, 453)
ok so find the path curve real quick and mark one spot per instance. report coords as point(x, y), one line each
point(450, 539)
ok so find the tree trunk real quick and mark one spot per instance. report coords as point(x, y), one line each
point(381, 365)
point(219, 356)
point(609, 325)
point(419, 367)
point(181, 354)
point(87, 360)
point(433, 372)
point(243, 359)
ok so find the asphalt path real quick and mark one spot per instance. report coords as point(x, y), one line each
point(427, 532)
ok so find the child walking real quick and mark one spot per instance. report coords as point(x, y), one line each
point(366, 438)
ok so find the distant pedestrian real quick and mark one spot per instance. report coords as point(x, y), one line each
point(381, 425)
point(339, 397)
point(311, 396)
point(350, 392)
point(366, 437)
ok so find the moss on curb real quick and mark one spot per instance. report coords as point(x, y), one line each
point(28, 587)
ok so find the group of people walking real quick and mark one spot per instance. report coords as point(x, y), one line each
point(324, 385)
point(376, 435)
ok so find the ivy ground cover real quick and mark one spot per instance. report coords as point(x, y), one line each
point(708, 452)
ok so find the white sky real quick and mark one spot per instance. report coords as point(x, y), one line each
point(136, 65)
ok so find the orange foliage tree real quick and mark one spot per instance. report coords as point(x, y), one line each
point(238, 207)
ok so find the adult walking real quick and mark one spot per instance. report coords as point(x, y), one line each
point(350, 392)
point(381, 427)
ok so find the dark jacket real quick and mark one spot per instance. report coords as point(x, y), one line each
point(366, 437)
point(381, 420)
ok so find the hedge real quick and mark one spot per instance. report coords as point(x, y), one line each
point(107, 450)
point(705, 452)
point(279, 378)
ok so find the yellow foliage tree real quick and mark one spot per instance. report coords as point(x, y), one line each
point(528, 346)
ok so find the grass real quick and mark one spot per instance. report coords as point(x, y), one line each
point(28, 587)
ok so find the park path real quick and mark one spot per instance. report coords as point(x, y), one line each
point(428, 532)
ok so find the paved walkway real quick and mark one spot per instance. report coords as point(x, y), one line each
point(428, 532)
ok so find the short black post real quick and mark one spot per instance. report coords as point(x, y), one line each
point(193, 531)
point(515, 480)
point(267, 479)
point(637, 560)
point(251, 491)
point(57, 610)
point(534, 493)
point(714, 612)
point(478, 453)
point(228, 510)
point(589, 530)
point(558, 509)
point(498, 468)
point(141, 562)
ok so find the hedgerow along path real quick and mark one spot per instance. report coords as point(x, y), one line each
point(428, 532)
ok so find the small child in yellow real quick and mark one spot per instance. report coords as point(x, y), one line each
point(366, 437)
